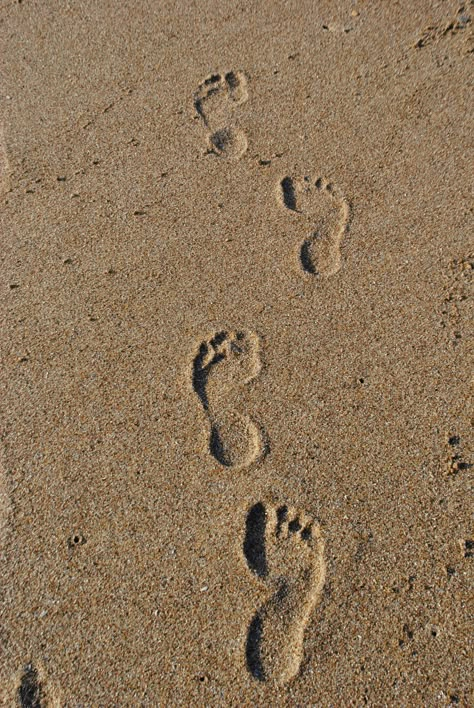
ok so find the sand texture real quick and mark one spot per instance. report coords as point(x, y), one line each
point(237, 327)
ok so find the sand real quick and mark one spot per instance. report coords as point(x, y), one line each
point(237, 319)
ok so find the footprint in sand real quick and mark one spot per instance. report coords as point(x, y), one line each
point(327, 213)
point(222, 365)
point(215, 101)
point(285, 549)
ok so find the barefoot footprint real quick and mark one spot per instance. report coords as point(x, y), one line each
point(286, 550)
point(215, 101)
point(328, 213)
point(221, 367)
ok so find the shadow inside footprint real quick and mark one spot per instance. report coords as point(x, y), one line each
point(29, 692)
point(254, 541)
point(288, 193)
point(252, 650)
point(202, 366)
point(218, 449)
point(306, 258)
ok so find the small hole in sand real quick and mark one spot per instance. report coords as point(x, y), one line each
point(76, 540)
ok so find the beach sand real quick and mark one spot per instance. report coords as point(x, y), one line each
point(237, 318)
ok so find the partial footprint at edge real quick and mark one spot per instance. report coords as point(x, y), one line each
point(30, 689)
point(222, 365)
point(215, 101)
point(285, 549)
point(327, 214)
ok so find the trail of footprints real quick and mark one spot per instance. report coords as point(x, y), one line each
point(324, 210)
point(283, 547)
